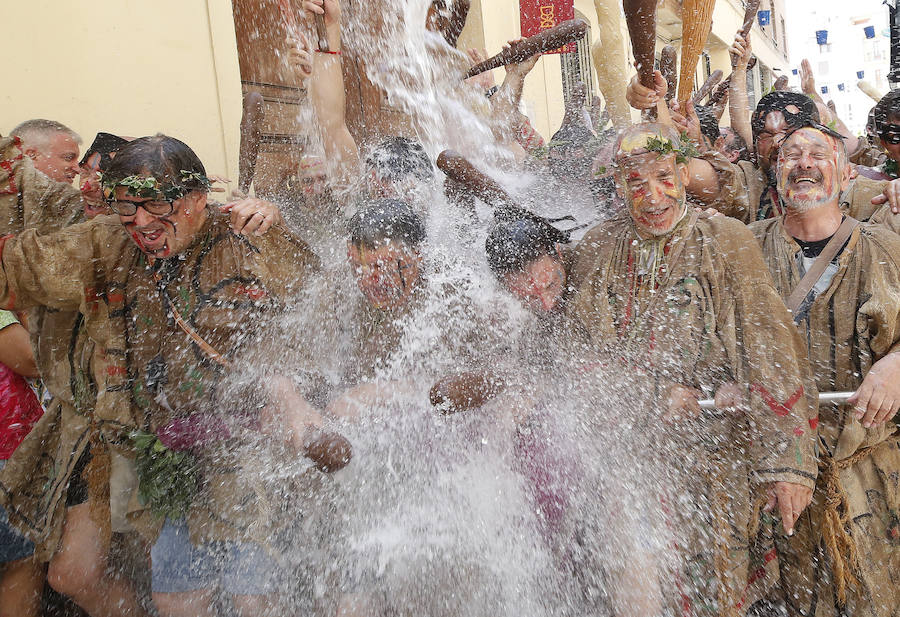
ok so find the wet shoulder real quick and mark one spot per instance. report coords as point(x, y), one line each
point(750, 173)
point(278, 259)
point(762, 229)
point(597, 241)
point(882, 244)
point(735, 245)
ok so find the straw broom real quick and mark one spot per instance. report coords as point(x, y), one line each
point(696, 19)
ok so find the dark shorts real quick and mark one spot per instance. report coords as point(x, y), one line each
point(13, 545)
point(237, 568)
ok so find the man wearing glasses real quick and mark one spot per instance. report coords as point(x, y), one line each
point(174, 299)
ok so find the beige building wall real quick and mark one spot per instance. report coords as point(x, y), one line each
point(131, 67)
point(137, 67)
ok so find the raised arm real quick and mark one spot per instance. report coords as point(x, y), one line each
point(738, 102)
point(808, 85)
point(50, 270)
point(326, 92)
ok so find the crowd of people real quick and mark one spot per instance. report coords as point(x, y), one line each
point(147, 356)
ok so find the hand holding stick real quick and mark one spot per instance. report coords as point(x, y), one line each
point(749, 15)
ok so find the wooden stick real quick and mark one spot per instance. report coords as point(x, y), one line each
point(465, 391)
point(549, 39)
point(640, 16)
point(478, 183)
point(750, 11)
point(321, 34)
point(714, 78)
point(869, 89)
point(668, 66)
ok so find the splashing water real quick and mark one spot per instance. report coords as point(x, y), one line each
point(479, 513)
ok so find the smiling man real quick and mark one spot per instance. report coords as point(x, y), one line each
point(685, 300)
point(840, 279)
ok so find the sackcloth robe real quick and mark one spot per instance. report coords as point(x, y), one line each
point(34, 484)
point(226, 287)
point(850, 325)
point(697, 308)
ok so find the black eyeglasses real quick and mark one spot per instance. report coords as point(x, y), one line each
point(156, 207)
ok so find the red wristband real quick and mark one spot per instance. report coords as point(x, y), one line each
point(333, 53)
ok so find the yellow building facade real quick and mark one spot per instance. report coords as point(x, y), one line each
point(136, 67)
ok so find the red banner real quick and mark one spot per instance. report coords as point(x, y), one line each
point(538, 15)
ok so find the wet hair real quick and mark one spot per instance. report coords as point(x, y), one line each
point(513, 244)
point(888, 107)
point(104, 144)
point(399, 158)
point(664, 132)
point(167, 159)
point(40, 128)
point(836, 137)
point(737, 142)
point(386, 219)
point(780, 100)
point(709, 124)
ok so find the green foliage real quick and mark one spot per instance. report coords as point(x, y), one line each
point(891, 168)
point(167, 479)
point(684, 151)
point(148, 187)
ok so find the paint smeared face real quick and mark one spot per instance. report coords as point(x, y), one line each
point(809, 172)
point(769, 139)
point(91, 191)
point(386, 275)
point(164, 236)
point(539, 285)
point(653, 188)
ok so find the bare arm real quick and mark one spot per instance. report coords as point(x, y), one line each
point(16, 352)
point(326, 92)
point(738, 102)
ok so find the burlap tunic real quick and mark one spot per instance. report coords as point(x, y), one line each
point(703, 314)
point(848, 327)
point(225, 286)
point(34, 483)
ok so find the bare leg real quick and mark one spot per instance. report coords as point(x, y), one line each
point(185, 604)
point(257, 606)
point(78, 570)
point(21, 585)
point(251, 127)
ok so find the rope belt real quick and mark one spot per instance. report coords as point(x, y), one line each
point(836, 519)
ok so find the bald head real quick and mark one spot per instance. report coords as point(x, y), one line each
point(52, 146)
